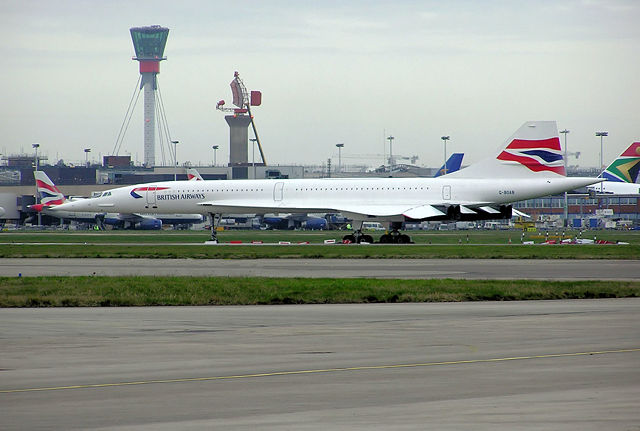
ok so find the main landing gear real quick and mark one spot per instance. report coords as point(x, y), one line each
point(393, 237)
point(357, 237)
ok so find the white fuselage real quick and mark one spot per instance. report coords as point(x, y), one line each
point(88, 217)
point(616, 188)
point(112, 217)
point(353, 196)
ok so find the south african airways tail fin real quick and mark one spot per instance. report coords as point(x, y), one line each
point(534, 150)
point(625, 167)
point(452, 164)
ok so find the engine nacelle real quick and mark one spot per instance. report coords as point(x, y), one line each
point(150, 224)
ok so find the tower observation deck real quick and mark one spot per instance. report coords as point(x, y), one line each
point(149, 43)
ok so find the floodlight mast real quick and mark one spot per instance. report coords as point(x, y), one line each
point(243, 102)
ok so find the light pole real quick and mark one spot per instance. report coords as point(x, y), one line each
point(215, 149)
point(444, 140)
point(340, 147)
point(175, 159)
point(253, 156)
point(391, 161)
point(86, 156)
point(602, 135)
point(566, 203)
point(35, 146)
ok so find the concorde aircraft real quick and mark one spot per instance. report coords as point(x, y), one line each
point(621, 174)
point(527, 166)
point(51, 197)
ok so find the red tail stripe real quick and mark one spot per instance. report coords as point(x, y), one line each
point(43, 185)
point(522, 144)
point(530, 163)
point(633, 150)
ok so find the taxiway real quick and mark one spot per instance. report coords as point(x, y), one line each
point(496, 269)
point(570, 365)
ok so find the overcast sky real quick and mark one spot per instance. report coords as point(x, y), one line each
point(330, 72)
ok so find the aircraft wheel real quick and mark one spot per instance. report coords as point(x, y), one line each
point(386, 239)
point(366, 238)
point(404, 239)
point(348, 239)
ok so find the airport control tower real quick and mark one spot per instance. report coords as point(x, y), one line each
point(149, 43)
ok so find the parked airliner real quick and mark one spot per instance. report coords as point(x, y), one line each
point(621, 174)
point(527, 166)
point(51, 197)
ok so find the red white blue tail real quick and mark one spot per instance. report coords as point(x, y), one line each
point(47, 191)
point(533, 151)
point(193, 175)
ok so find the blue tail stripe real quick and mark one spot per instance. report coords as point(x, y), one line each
point(547, 156)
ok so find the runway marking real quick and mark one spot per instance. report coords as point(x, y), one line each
point(327, 370)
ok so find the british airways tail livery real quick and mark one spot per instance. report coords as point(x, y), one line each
point(622, 173)
point(194, 175)
point(48, 193)
point(527, 166)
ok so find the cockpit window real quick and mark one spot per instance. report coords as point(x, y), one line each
point(106, 194)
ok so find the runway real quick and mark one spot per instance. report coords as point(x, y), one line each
point(498, 269)
point(570, 365)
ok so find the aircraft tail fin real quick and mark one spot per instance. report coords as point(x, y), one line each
point(534, 150)
point(194, 175)
point(625, 167)
point(452, 164)
point(48, 193)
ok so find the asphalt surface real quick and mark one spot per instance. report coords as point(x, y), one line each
point(561, 365)
point(333, 268)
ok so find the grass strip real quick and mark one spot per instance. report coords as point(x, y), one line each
point(627, 252)
point(314, 237)
point(167, 291)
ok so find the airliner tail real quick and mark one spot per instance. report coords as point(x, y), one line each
point(194, 175)
point(625, 167)
point(48, 193)
point(534, 150)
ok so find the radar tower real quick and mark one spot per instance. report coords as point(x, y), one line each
point(238, 123)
